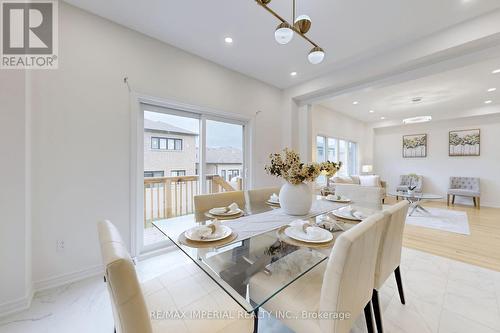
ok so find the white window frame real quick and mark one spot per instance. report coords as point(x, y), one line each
point(137, 102)
point(337, 146)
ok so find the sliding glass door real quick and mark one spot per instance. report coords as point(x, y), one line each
point(186, 154)
point(224, 156)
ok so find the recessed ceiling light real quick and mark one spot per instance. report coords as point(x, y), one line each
point(496, 71)
point(488, 102)
point(228, 40)
point(414, 120)
point(293, 73)
point(371, 111)
point(355, 102)
point(382, 118)
point(492, 89)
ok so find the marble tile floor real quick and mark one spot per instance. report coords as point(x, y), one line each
point(443, 296)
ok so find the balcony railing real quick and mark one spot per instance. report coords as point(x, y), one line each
point(166, 197)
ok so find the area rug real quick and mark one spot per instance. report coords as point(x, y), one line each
point(441, 219)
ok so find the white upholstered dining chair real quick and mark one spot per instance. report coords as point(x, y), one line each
point(205, 202)
point(389, 257)
point(370, 196)
point(142, 309)
point(341, 285)
point(262, 194)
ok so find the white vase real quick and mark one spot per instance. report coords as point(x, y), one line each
point(295, 199)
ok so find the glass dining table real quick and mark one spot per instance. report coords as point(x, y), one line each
point(258, 248)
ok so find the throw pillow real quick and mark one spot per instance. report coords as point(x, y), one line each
point(370, 181)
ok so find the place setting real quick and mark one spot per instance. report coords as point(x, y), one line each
point(274, 200)
point(305, 233)
point(351, 213)
point(208, 236)
point(337, 198)
point(233, 211)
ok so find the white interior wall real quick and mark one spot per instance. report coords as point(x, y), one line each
point(81, 132)
point(437, 167)
point(15, 252)
point(334, 124)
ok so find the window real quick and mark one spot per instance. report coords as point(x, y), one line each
point(232, 173)
point(320, 146)
point(155, 143)
point(337, 150)
point(166, 143)
point(223, 174)
point(149, 174)
point(177, 173)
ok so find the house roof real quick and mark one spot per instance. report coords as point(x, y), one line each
point(165, 127)
point(224, 155)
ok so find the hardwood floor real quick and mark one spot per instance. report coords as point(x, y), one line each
point(481, 247)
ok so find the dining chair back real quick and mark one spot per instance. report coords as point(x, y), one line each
point(389, 257)
point(349, 274)
point(205, 202)
point(392, 243)
point(369, 196)
point(128, 304)
point(259, 196)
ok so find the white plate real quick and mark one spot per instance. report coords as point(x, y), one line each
point(300, 236)
point(230, 213)
point(344, 213)
point(222, 232)
point(343, 200)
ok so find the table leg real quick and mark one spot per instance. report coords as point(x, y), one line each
point(413, 208)
point(423, 209)
point(256, 320)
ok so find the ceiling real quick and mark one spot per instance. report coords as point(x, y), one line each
point(346, 29)
point(445, 95)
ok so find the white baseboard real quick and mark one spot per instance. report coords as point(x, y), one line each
point(53, 282)
point(17, 305)
point(63, 279)
point(24, 303)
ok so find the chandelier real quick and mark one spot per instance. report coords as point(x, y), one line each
point(285, 31)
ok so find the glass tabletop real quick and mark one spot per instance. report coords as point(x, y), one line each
point(232, 265)
point(415, 195)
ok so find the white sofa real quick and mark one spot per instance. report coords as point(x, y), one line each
point(361, 181)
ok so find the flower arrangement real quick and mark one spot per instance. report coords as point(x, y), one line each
point(288, 166)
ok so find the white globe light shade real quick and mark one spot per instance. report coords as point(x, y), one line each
point(316, 55)
point(283, 33)
point(302, 17)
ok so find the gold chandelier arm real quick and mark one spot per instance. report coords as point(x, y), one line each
point(284, 21)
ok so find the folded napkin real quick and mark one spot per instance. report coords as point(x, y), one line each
point(208, 231)
point(274, 197)
point(357, 214)
point(307, 230)
point(333, 197)
point(232, 208)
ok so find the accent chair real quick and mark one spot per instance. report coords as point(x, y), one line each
point(465, 187)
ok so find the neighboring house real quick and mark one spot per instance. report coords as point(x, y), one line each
point(168, 150)
point(226, 162)
point(171, 151)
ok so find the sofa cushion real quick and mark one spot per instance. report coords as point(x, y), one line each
point(369, 181)
point(355, 179)
point(465, 193)
point(343, 180)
